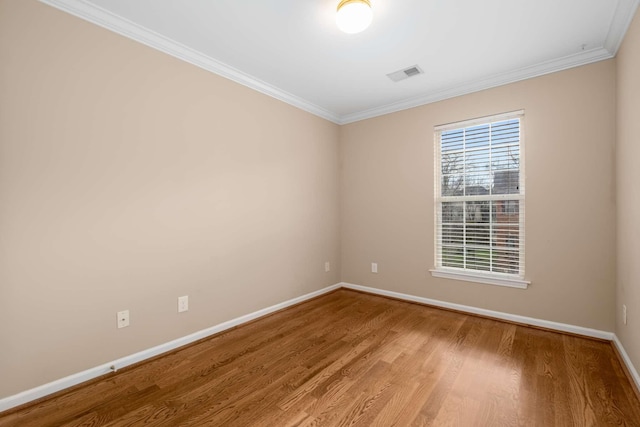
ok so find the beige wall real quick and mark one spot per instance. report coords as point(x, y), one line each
point(387, 198)
point(129, 178)
point(628, 191)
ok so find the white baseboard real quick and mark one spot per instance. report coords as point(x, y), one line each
point(75, 379)
point(627, 361)
point(561, 327)
point(595, 333)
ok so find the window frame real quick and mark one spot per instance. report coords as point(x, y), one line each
point(515, 280)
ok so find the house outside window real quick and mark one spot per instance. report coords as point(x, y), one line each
point(479, 200)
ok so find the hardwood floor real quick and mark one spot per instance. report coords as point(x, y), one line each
point(349, 358)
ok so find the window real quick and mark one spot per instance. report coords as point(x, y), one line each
point(479, 200)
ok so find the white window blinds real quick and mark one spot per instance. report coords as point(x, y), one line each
point(479, 197)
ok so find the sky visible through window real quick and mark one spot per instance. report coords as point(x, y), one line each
point(470, 158)
point(480, 209)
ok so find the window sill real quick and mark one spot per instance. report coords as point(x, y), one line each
point(481, 278)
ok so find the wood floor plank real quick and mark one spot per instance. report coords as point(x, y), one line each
point(353, 359)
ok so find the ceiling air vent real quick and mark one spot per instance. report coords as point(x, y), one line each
point(405, 74)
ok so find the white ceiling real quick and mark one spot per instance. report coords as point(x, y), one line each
point(293, 51)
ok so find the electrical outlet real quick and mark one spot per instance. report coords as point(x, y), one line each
point(624, 314)
point(327, 267)
point(123, 319)
point(183, 303)
point(374, 267)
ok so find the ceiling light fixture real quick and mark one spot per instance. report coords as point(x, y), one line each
point(354, 15)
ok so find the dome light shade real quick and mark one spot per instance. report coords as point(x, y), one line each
point(354, 15)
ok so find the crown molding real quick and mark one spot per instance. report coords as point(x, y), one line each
point(106, 19)
point(571, 61)
point(622, 18)
point(83, 9)
point(620, 22)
